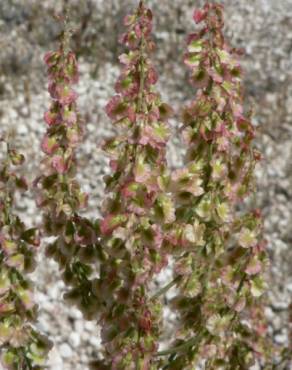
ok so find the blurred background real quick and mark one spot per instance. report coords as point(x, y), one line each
point(262, 27)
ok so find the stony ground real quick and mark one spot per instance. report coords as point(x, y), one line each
point(262, 27)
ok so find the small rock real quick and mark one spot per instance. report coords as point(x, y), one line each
point(281, 339)
point(280, 305)
point(79, 326)
point(22, 129)
point(289, 287)
point(65, 350)
point(95, 341)
point(74, 339)
point(89, 326)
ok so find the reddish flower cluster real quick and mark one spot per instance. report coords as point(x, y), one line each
point(22, 346)
point(222, 257)
point(58, 192)
point(193, 217)
point(150, 215)
point(138, 207)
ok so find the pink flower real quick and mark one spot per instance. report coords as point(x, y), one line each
point(199, 15)
point(111, 222)
point(207, 136)
point(52, 57)
point(200, 78)
point(142, 171)
point(129, 189)
point(215, 75)
point(113, 165)
point(63, 93)
point(71, 68)
point(16, 260)
point(58, 163)
point(154, 136)
point(83, 200)
point(49, 145)
point(145, 321)
point(51, 117)
point(138, 31)
point(127, 85)
point(152, 76)
point(193, 37)
point(158, 236)
point(129, 59)
point(129, 20)
point(73, 136)
point(69, 116)
point(117, 109)
point(138, 210)
point(253, 267)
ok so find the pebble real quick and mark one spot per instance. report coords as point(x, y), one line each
point(280, 305)
point(281, 339)
point(90, 326)
point(95, 341)
point(22, 129)
point(65, 350)
point(79, 326)
point(74, 339)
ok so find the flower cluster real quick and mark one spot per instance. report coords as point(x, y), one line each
point(58, 192)
point(193, 217)
point(222, 254)
point(138, 208)
point(21, 345)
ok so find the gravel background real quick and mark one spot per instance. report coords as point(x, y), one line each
point(262, 27)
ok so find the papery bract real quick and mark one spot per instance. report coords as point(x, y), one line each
point(199, 15)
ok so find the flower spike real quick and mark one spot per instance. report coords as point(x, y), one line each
point(58, 193)
point(222, 256)
point(138, 210)
point(21, 345)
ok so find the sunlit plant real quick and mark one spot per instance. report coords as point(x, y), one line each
point(138, 208)
point(197, 220)
point(58, 192)
point(22, 346)
point(223, 255)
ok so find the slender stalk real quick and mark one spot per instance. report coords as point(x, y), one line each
point(182, 347)
point(166, 287)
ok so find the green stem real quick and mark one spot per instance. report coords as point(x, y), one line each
point(140, 104)
point(166, 288)
point(192, 341)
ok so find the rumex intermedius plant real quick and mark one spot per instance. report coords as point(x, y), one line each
point(58, 192)
point(193, 217)
point(223, 255)
point(21, 345)
point(138, 208)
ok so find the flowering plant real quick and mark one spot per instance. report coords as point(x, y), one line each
point(138, 209)
point(150, 215)
point(58, 192)
point(223, 255)
point(21, 345)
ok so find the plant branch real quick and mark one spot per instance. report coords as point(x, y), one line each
point(166, 288)
point(192, 341)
